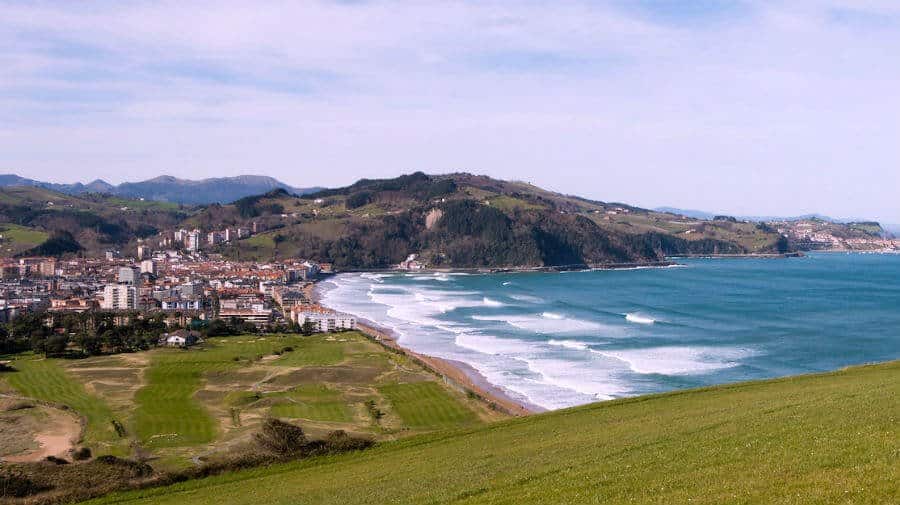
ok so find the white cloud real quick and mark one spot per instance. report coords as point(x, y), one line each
point(764, 109)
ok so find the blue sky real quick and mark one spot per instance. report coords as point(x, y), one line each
point(738, 107)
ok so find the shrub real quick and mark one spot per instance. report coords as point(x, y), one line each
point(340, 441)
point(17, 486)
point(281, 438)
point(81, 454)
point(55, 460)
point(134, 468)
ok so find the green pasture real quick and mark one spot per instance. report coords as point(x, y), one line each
point(44, 379)
point(826, 438)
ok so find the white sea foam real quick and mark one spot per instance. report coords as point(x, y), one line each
point(507, 283)
point(570, 344)
point(639, 319)
point(544, 325)
point(527, 298)
point(594, 379)
point(487, 344)
point(492, 303)
point(552, 315)
point(676, 360)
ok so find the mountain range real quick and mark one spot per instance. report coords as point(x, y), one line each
point(166, 188)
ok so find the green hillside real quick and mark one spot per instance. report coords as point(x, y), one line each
point(15, 239)
point(470, 221)
point(92, 222)
point(828, 438)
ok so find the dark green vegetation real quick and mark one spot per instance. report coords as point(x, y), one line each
point(88, 333)
point(453, 221)
point(91, 222)
point(462, 220)
point(827, 438)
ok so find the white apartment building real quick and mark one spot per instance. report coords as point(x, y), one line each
point(148, 266)
point(324, 321)
point(119, 297)
point(193, 240)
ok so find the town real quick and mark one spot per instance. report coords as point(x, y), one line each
point(175, 287)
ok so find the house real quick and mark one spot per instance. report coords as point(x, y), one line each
point(180, 338)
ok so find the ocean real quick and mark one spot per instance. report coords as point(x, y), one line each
point(561, 339)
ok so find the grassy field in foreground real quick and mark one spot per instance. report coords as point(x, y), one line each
point(46, 380)
point(828, 438)
point(176, 404)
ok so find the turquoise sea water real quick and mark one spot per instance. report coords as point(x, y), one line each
point(562, 339)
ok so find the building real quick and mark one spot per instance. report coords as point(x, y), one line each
point(193, 241)
point(213, 238)
point(243, 233)
point(119, 297)
point(228, 235)
point(72, 304)
point(177, 303)
point(143, 252)
point(148, 267)
point(180, 338)
point(189, 289)
point(128, 275)
point(288, 298)
point(48, 268)
point(323, 321)
point(259, 317)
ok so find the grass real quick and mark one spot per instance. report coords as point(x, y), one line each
point(167, 415)
point(313, 350)
point(45, 379)
point(20, 238)
point(311, 402)
point(178, 404)
point(426, 405)
point(827, 438)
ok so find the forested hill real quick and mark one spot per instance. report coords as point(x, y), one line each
point(456, 220)
point(466, 221)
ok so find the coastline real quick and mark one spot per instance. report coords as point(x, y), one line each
point(457, 374)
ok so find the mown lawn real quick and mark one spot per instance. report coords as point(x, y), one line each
point(827, 438)
point(426, 405)
point(167, 415)
point(44, 379)
point(315, 350)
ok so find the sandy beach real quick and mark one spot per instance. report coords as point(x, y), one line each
point(458, 374)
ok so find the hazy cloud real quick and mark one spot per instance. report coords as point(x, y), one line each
point(740, 107)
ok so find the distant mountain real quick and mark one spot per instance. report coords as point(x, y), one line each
point(169, 189)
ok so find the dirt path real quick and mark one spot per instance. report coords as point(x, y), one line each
point(59, 433)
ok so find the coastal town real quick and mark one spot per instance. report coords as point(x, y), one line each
point(174, 282)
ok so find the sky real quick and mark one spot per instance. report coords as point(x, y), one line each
point(746, 108)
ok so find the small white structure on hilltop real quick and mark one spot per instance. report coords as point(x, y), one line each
point(323, 321)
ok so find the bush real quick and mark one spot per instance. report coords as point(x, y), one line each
point(55, 460)
point(16, 486)
point(340, 441)
point(134, 468)
point(81, 454)
point(281, 438)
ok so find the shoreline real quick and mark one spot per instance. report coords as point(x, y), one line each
point(457, 374)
